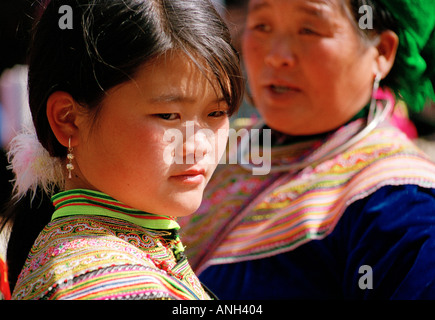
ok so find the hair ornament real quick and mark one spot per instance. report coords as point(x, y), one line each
point(32, 165)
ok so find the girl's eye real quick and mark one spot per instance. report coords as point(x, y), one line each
point(167, 116)
point(218, 113)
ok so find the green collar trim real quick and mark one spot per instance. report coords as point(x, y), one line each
point(90, 202)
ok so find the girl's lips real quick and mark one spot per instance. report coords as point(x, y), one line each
point(194, 176)
point(189, 179)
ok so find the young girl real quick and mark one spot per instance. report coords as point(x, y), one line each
point(104, 88)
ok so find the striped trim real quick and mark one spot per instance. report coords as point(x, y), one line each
point(90, 202)
point(88, 257)
point(315, 214)
point(245, 217)
point(120, 282)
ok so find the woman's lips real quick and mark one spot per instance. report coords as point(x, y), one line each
point(281, 92)
point(280, 89)
point(281, 85)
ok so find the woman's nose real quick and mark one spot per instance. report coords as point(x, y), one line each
point(281, 53)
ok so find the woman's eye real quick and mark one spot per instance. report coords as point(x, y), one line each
point(307, 31)
point(167, 116)
point(263, 27)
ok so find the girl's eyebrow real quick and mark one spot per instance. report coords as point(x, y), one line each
point(168, 98)
point(178, 98)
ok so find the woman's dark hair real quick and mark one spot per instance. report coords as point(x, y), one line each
point(105, 46)
point(382, 20)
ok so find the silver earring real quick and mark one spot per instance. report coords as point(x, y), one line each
point(376, 82)
point(70, 157)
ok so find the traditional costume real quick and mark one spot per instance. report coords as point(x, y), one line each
point(5, 293)
point(307, 233)
point(349, 214)
point(98, 248)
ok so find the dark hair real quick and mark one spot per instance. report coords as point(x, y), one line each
point(108, 43)
point(110, 40)
point(15, 24)
point(382, 20)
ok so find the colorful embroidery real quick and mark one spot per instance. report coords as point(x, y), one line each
point(92, 255)
point(245, 217)
point(66, 204)
point(5, 293)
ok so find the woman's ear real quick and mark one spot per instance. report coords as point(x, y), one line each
point(387, 48)
point(62, 114)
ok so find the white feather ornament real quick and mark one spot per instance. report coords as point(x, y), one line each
point(32, 165)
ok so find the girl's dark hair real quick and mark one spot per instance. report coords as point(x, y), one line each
point(108, 42)
point(106, 45)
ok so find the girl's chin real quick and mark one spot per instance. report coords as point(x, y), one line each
point(183, 208)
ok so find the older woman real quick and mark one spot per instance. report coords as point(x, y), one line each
point(348, 207)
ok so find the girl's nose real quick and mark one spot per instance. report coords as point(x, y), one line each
point(197, 143)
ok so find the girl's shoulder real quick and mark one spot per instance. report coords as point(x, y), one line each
point(80, 257)
point(83, 235)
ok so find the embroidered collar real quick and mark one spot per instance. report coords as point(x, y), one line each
point(90, 202)
point(254, 217)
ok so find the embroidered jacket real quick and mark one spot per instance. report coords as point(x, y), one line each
point(5, 293)
point(272, 230)
point(97, 248)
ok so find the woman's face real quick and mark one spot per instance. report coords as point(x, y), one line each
point(308, 69)
point(127, 152)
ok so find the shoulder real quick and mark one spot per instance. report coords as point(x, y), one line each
point(84, 235)
point(401, 207)
point(393, 166)
point(74, 257)
point(392, 232)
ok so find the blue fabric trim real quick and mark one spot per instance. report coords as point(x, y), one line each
point(392, 232)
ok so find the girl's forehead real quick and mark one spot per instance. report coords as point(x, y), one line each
point(176, 63)
point(169, 78)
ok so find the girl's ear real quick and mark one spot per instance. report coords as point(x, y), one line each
point(62, 116)
point(387, 48)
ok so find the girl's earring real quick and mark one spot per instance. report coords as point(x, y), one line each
point(70, 157)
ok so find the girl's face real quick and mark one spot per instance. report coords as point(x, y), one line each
point(127, 152)
point(308, 69)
